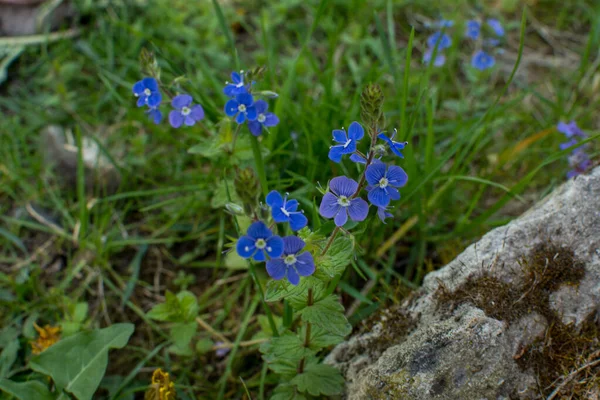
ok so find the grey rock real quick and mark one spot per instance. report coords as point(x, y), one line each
point(462, 353)
point(28, 17)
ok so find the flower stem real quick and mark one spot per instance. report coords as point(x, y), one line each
point(330, 241)
point(262, 300)
point(309, 302)
point(260, 165)
point(373, 134)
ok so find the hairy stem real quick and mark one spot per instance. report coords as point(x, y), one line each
point(330, 241)
point(373, 134)
point(260, 165)
point(309, 303)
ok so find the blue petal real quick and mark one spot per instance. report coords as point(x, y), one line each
point(343, 186)
point(375, 172)
point(236, 78)
point(189, 120)
point(142, 100)
point(241, 117)
point(379, 197)
point(182, 100)
point(259, 256)
point(255, 128)
point(271, 120)
point(356, 131)
point(335, 153)
point(274, 199)
point(396, 147)
point(396, 176)
point(245, 246)
point(150, 83)
point(298, 221)
point(339, 136)
point(155, 115)
point(341, 218)
point(278, 215)
point(261, 106)
point(251, 113)
point(259, 230)
point(175, 118)
point(276, 268)
point(292, 276)
point(358, 209)
point(154, 99)
point(229, 90)
point(350, 147)
point(291, 205)
point(383, 214)
point(305, 265)
point(292, 245)
point(138, 88)
point(231, 108)
point(274, 246)
point(197, 112)
point(329, 206)
point(393, 192)
point(245, 99)
point(358, 159)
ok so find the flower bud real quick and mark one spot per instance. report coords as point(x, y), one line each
point(371, 106)
point(247, 187)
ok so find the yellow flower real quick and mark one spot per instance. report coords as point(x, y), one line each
point(162, 388)
point(48, 335)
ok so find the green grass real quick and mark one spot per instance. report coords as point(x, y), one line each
point(478, 156)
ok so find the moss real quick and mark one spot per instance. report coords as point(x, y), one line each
point(563, 349)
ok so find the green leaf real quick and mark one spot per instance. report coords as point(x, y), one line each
point(285, 391)
point(327, 314)
point(283, 353)
point(319, 379)
point(296, 295)
point(182, 334)
point(26, 390)
point(204, 346)
point(337, 258)
point(321, 338)
point(182, 307)
point(220, 197)
point(8, 357)
point(87, 355)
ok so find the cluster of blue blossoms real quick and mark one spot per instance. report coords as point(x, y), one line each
point(579, 160)
point(285, 257)
point(241, 105)
point(482, 59)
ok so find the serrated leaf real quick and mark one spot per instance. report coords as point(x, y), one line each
point(283, 353)
point(320, 338)
point(327, 314)
point(26, 390)
point(182, 307)
point(87, 355)
point(297, 296)
point(319, 379)
point(285, 391)
point(337, 258)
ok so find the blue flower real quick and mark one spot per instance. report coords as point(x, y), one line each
point(147, 92)
point(482, 60)
point(258, 242)
point(570, 129)
point(155, 115)
point(473, 29)
point(579, 161)
point(339, 202)
point(293, 262)
point(284, 210)
point(492, 42)
point(237, 87)
point(439, 39)
point(444, 23)
point(383, 182)
point(263, 118)
point(347, 142)
point(396, 147)
point(440, 59)
point(383, 214)
point(357, 158)
point(242, 106)
point(496, 26)
point(184, 112)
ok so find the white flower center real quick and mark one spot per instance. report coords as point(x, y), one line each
point(383, 182)
point(347, 143)
point(242, 108)
point(186, 111)
point(261, 118)
point(285, 212)
point(260, 244)
point(343, 201)
point(240, 84)
point(290, 259)
point(147, 92)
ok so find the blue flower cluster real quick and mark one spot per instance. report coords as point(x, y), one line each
point(342, 201)
point(184, 113)
point(244, 108)
point(483, 58)
point(579, 160)
point(438, 40)
point(284, 256)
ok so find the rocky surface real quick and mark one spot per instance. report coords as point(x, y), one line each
point(27, 17)
point(492, 324)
